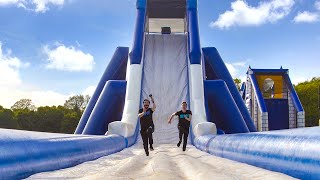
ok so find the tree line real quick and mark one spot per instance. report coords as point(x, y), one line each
point(308, 93)
point(24, 115)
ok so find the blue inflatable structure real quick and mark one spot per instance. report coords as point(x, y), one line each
point(221, 123)
point(272, 100)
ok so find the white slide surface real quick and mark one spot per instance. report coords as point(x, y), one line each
point(165, 162)
point(165, 75)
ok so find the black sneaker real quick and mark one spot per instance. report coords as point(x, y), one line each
point(184, 148)
point(147, 153)
point(151, 148)
point(179, 143)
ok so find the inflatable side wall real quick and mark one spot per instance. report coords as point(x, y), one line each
point(294, 152)
point(108, 108)
point(24, 153)
point(221, 108)
point(116, 70)
point(219, 70)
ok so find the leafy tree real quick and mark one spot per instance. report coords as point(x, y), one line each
point(26, 119)
point(65, 110)
point(49, 119)
point(23, 104)
point(70, 122)
point(25, 116)
point(308, 95)
point(77, 103)
point(7, 119)
point(237, 81)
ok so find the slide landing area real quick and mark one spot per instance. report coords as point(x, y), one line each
point(167, 161)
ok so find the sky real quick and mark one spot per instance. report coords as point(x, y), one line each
point(53, 49)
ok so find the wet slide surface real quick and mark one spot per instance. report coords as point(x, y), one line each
point(165, 75)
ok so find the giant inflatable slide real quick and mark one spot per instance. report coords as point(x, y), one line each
point(167, 61)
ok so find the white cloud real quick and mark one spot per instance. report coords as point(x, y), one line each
point(232, 69)
point(10, 2)
point(306, 17)
point(243, 78)
point(39, 6)
point(42, 5)
point(47, 98)
point(89, 90)
point(9, 69)
point(68, 59)
point(240, 64)
point(12, 87)
point(298, 80)
point(242, 14)
point(317, 5)
point(236, 68)
point(40, 98)
point(298, 77)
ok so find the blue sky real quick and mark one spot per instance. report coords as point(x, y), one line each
point(52, 49)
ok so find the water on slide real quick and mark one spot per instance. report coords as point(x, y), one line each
point(165, 75)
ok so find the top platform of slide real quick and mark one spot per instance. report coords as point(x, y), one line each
point(166, 8)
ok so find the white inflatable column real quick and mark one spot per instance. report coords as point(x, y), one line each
point(126, 127)
point(200, 125)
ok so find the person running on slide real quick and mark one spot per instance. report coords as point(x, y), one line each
point(183, 125)
point(146, 123)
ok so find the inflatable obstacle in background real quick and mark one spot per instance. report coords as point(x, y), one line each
point(272, 100)
point(110, 123)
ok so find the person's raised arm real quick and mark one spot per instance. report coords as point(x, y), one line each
point(170, 118)
point(154, 106)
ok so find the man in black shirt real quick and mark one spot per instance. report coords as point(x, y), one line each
point(146, 123)
point(183, 125)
